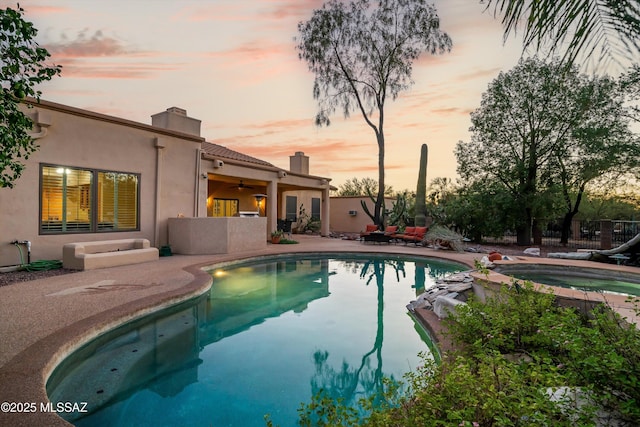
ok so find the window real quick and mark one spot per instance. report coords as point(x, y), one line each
point(87, 201)
point(292, 208)
point(117, 201)
point(225, 207)
point(315, 208)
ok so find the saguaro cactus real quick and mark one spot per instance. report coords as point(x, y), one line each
point(421, 190)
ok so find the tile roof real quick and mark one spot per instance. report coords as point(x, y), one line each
point(225, 153)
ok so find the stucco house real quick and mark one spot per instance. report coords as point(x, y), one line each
point(97, 177)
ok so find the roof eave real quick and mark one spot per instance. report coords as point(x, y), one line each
point(237, 162)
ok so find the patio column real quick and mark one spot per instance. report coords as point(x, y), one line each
point(606, 234)
point(324, 228)
point(272, 207)
point(157, 240)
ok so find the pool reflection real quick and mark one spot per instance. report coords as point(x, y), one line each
point(163, 352)
point(247, 296)
point(265, 338)
point(350, 384)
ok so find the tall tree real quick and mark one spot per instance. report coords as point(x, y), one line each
point(361, 187)
point(515, 133)
point(22, 67)
point(610, 28)
point(537, 125)
point(630, 86)
point(361, 55)
point(601, 144)
point(477, 209)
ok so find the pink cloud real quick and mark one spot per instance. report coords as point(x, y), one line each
point(282, 124)
point(252, 51)
point(257, 61)
point(44, 10)
point(422, 101)
point(270, 10)
point(84, 57)
point(347, 167)
point(329, 150)
point(298, 9)
point(451, 111)
point(257, 132)
point(75, 93)
point(113, 71)
point(94, 45)
point(255, 50)
point(480, 74)
point(428, 60)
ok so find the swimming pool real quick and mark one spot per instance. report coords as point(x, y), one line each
point(578, 278)
point(266, 337)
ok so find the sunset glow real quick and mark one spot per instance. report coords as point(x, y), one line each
point(233, 65)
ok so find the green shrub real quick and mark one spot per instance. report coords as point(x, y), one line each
point(598, 353)
point(604, 355)
point(513, 320)
point(485, 390)
point(288, 242)
point(513, 351)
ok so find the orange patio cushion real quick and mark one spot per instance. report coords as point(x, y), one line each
point(371, 227)
point(409, 231)
point(392, 229)
point(421, 231)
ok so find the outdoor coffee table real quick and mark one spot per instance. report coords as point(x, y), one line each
point(377, 237)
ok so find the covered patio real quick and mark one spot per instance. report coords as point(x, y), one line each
point(241, 199)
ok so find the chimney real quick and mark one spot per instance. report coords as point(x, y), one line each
point(176, 119)
point(299, 163)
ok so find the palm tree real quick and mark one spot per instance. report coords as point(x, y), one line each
point(608, 27)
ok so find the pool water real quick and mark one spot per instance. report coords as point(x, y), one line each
point(592, 284)
point(268, 336)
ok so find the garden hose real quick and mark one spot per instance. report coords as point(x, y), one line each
point(21, 257)
point(43, 265)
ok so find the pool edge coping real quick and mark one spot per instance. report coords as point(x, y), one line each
point(51, 349)
point(25, 375)
point(48, 352)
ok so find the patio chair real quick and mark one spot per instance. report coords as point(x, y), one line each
point(408, 231)
point(413, 235)
point(369, 228)
point(390, 230)
point(284, 225)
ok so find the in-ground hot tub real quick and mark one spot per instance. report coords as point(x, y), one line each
point(575, 277)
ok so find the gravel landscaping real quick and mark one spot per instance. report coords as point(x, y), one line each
point(25, 276)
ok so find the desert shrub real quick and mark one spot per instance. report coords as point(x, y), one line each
point(485, 390)
point(598, 353)
point(513, 352)
point(604, 355)
point(514, 319)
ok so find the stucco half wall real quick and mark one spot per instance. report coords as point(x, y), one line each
point(347, 215)
point(220, 235)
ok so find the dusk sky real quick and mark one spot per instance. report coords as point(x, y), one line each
point(233, 65)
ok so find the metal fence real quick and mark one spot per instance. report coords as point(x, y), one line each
point(583, 234)
point(623, 231)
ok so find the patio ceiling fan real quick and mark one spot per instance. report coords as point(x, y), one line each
point(241, 186)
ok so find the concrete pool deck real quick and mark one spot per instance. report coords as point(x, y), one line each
point(42, 321)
